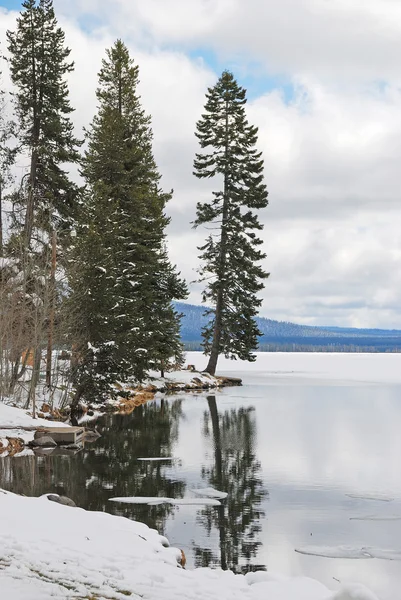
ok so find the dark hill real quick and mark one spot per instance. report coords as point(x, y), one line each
point(286, 336)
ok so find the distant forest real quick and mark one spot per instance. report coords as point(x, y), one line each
point(282, 336)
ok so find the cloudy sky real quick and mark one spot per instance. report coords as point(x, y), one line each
point(324, 88)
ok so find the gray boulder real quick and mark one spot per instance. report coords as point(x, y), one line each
point(45, 441)
point(39, 433)
point(61, 499)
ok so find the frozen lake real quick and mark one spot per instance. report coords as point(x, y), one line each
point(308, 450)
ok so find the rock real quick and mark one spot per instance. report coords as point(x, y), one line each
point(39, 433)
point(61, 499)
point(91, 435)
point(44, 441)
point(43, 451)
point(71, 447)
point(150, 388)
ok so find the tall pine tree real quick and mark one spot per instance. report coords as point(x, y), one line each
point(45, 200)
point(231, 256)
point(123, 282)
point(7, 153)
point(39, 66)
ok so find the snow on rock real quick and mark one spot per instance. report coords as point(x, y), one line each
point(13, 420)
point(183, 380)
point(52, 551)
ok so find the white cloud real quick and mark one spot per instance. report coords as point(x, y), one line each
point(332, 153)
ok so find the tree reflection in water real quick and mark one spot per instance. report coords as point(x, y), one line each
point(236, 471)
point(109, 467)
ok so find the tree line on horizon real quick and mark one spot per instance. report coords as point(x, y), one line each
point(85, 266)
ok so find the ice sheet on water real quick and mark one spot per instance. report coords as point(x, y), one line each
point(377, 497)
point(385, 554)
point(353, 552)
point(210, 492)
point(152, 500)
point(377, 518)
point(335, 551)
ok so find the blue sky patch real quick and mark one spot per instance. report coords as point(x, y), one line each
point(252, 76)
point(11, 4)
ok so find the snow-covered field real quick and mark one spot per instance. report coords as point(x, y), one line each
point(52, 551)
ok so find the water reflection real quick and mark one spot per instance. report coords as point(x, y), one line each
point(235, 470)
point(309, 446)
point(110, 467)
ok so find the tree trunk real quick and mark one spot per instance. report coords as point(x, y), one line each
point(215, 350)
point(211, 400)
point(34, 146)
point(1, 218)
point(35, 379)
point(52, 301)
point(31, 200)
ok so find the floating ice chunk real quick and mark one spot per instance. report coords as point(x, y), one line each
point(377, 518)
point(174, 501)
point(336, 551)
point(378, 497)
point(350, 552)
point(384, 554)
point(210, 493)
point(141, 500)
point(196, 501)
point(154, 458)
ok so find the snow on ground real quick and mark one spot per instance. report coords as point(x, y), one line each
point(14, 419)
point(53, 551)
point(182, 379)
point(18, 417)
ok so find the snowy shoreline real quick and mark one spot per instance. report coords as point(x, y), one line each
point(17, 426)
point(53, 551)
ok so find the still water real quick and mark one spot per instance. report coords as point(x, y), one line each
point(298, 456)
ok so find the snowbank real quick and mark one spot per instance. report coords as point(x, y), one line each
point(13, 420)
point(18, 417)
point(52, 551)
point(183, 380)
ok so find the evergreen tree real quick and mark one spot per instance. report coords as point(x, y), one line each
point(45, 201)
point(230, 257)
point(7, 154)
point(123, 282)
point(39, 65)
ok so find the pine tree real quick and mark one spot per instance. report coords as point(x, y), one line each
point(230, 256)
point(7, 153)
point(45, 202)
point(124, 282)
point(39, 66)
